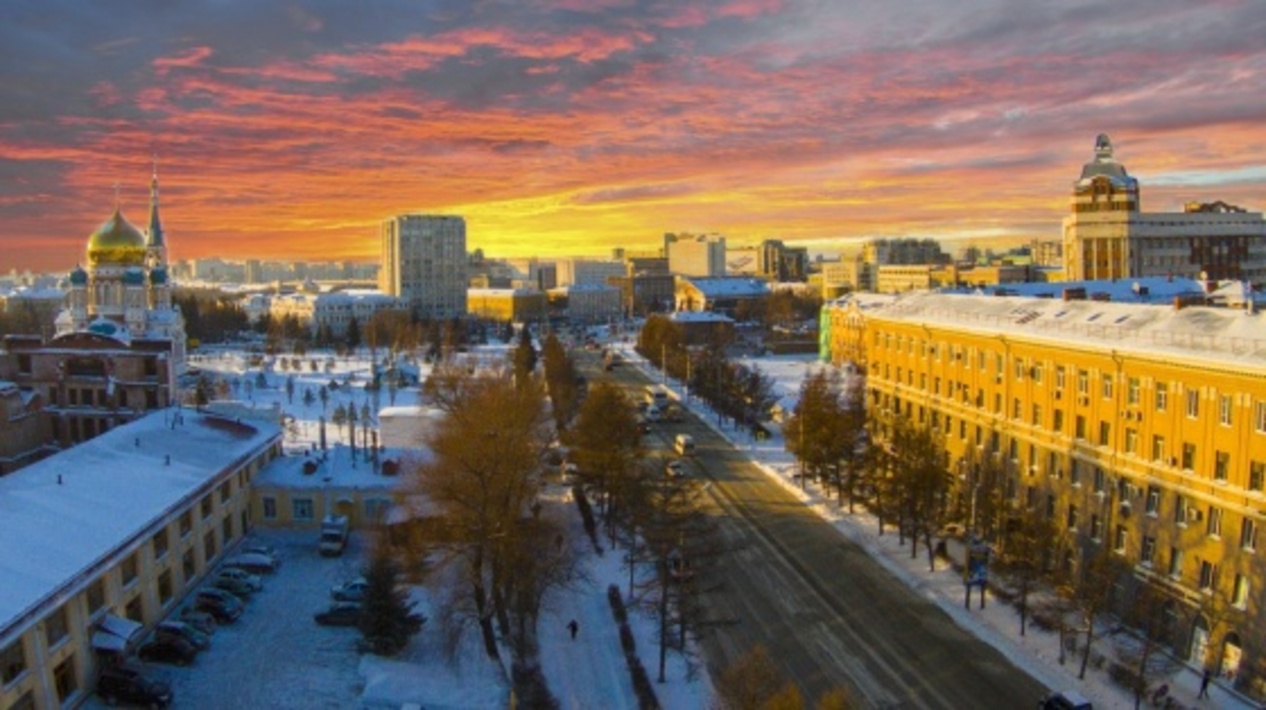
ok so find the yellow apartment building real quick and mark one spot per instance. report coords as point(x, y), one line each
point(1138, 427)
point(298, 491)
point(103, 540)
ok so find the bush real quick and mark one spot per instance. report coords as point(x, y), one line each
point(646, 699)
point(586, 513)
point(530, 687)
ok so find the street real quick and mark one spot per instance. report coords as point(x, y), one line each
point(827, 613)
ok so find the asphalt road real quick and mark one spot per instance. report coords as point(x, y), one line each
point(828, 614)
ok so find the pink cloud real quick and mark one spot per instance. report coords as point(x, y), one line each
point(191, 58)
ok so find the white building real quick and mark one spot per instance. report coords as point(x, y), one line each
point(335, 310)
point(695, 254)
point(589, 303)
point(1107, 236)
point(424, 263)
point(588, 272)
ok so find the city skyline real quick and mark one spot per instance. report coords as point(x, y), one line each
point(564, 127)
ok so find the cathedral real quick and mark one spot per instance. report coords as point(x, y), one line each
point(119, 344)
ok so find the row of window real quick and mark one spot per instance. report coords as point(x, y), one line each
point(303, 509)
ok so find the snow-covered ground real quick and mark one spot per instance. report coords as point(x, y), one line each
point(277, 657)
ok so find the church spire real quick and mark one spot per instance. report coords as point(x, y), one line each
point(155, 224)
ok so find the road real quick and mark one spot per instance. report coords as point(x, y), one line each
point(828, 614)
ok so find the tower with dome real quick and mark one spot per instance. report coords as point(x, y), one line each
point(119, 343)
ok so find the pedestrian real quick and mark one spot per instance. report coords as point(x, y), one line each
point(1204, 683)
point(573, 627)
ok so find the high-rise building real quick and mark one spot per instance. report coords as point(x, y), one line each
point(695, 254)
point(1107, 236)
point(424, 263)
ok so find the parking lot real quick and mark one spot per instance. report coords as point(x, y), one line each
point(275, 656)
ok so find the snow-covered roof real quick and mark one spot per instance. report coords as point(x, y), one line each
point(37, 294)
point(335, 469)
point(1151, 289)
point(64, 514)
point(1230, 336)
point(582, 288)
point(700, 317)
point(504, 292)
point(721, 287)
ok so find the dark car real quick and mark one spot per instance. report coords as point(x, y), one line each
point(225, 607)
point(184, 631)
point(200, 620)
point(128, 685)
point(339, 614)
point(237, 587)
point(165, 649)
point(1067, 700)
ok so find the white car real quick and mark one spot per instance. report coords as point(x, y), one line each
point(353, 591)
point(252, 562)
point(251, 580)
point(260, 549)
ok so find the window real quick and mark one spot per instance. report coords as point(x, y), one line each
point(1180, 510)
point(1224, 410)
point(1105, 433)
point(226, 490)
point(1120, 539)
point(1208, 575)
point(1221, 465)
point(206, 506)
point(1193, 403)
point(1189, 456)
point(1248, 534)
point(1162, 396)
point(1072, 517)
point(64, 680)
point(1059, 377)
point(1256, 476)
point(187, 565)
point(55, 628)
point(1017, 409)
point(1175, 562)
point(12, 662)
point(186, 523)
point(160, 543)
point(226, 529)
point(1214, 524)
point(1083, 382)
point(1131, 441)
point(376, 508)
point(1106, 383)
point(1019, 369)
point(1132, 391)
point(1100, 480)
point(1037, 374)
point(1096, 528)
point(1147, 554)
point(1153, 500)
point(301, 508)
point(1079, 429)
point(1074, 473)
point(270, 508)
point(1259, 418)
point(165, 591)
point(1037, 415)
point(1058, 424)
point(1158, 448)
point(208, 546)
point(1239, 593)
point(128, 570)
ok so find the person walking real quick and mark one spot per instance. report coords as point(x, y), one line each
point(1204, 682)
point(574, 628)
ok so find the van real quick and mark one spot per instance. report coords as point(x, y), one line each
point(657, 395)
point(684, 445)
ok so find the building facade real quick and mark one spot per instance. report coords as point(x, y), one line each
point(424, 263)
point(519, 305)
point(587, 272)
point(334, 311)
point(721, 295)
point(155, 505)
point(1108, 236)
point(591, 303)
point(1140, 429)
point(700, 255)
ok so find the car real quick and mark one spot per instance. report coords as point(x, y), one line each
point(1066, 700)
point(200, 620)
point(251, 580)
point(353, 591)
point(255, 548)
point(252, 562)
point(129, 685)
point(237, 587)
point(167, 650)
point(225, 607)
point(183, 630)
point(340, 614)
point(675, 469)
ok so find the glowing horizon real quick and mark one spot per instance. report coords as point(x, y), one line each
point(563, 127)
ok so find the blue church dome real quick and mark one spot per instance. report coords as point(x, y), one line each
point(79, 277)
point(133, 277)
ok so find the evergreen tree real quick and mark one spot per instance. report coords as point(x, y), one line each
point(524, 358)
point(353, 333)
point(388, 620)
point(290, 389)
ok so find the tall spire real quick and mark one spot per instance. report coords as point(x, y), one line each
point(155, 224)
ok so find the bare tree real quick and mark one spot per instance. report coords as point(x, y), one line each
point(1142, 650)
point(1091, 593)
point(1033, 542)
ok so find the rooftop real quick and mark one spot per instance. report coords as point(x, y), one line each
point(728, 286)
point(334, 468)
point(62, 515)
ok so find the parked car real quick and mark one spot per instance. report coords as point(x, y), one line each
point(675, 469)
point(252, 562)
point(251, 580)
point(236, 587)
point(353, 591)
point(225, 607)
point(185, 631)
point(128, 685)
point(200, 620)
point(254, 548)
point(339, 614)
point(167, 650)
point(1066, 700)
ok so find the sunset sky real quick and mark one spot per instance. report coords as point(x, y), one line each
point(289, 129)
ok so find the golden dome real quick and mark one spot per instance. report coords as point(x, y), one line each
point(116, 242)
